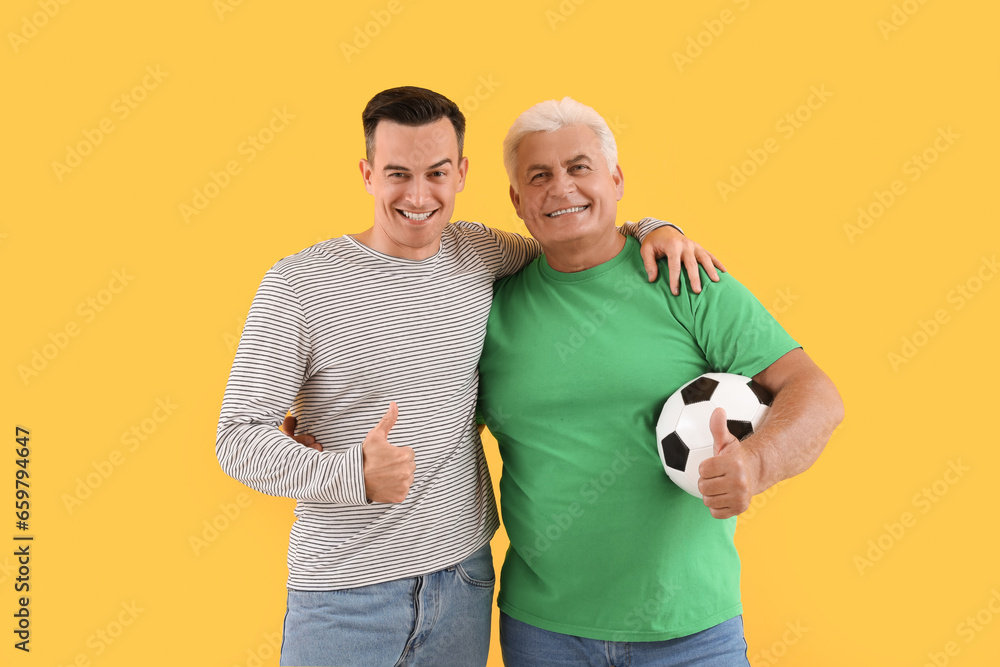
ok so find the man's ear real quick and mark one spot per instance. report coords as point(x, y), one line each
point(515, 199)
point(619, 178)
point(463, 169)
point(366, 174)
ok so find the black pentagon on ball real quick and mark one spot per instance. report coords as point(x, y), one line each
point(763, 395)
point(740, 428)
point(698, 391)
point(675, 452)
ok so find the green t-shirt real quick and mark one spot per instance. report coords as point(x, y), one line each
point(574, 370)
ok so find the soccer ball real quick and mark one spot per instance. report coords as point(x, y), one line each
point(682, 433)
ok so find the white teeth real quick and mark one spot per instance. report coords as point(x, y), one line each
point(574, 209)
point(417, 216)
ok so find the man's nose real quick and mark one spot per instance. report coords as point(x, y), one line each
point(419, 192)
point(562, 184)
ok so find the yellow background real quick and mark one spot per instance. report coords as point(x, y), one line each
point(167, 328)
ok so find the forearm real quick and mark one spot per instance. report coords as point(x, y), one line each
point(268, 461)
point(805, 411)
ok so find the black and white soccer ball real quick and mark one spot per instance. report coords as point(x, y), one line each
point(682, 433)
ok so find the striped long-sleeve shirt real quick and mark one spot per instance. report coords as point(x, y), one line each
point(336, 332)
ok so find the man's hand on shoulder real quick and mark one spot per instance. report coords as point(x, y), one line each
point(679, 250)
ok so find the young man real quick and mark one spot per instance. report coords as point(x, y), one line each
point(609, 562)
point(389, 559)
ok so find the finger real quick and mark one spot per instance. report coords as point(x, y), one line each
point(649, 261)
point(720, 430)
point(705, 259)
point(388, 420)
point(714, 486)
point(674, 273)
point(288, 426)
point(691, 264)
point(314, 445)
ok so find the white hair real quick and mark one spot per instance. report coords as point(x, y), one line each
point(552, 115)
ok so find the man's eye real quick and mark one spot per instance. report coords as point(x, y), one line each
point(537, 176)
point(579, 166)
point(397, 173)
point(438, 174)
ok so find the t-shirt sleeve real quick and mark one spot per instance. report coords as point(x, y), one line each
point(504, 253)
point(272, 362)
point(639, 230)
point(734, 330)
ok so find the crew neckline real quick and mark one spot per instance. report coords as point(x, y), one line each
point(591, 273)
point(403, 261)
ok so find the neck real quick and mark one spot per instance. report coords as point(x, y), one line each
point(585, 253)
point(382, 243)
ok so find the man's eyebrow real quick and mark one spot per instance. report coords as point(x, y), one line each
point(396, 167)
point(582, 157)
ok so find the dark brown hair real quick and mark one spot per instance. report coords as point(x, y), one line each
point(409, 105)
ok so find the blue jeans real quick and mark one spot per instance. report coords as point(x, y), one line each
point(441, 619)
point(525, 645)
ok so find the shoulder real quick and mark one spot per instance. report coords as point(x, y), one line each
point(473, 234)
point(309, 258)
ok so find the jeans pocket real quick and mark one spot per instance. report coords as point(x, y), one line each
point(477, 569)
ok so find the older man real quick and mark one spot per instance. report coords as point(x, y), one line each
point(609, 562)
point(372, 340)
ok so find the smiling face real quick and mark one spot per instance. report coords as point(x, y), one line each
point(564, 190)
point(415, 175)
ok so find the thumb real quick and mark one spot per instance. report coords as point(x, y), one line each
point(720, 431)
point(649, 260)
point(388, 420)
point(288, 426)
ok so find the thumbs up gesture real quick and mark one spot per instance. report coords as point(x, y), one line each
point(388, 469)
point(728, 478)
